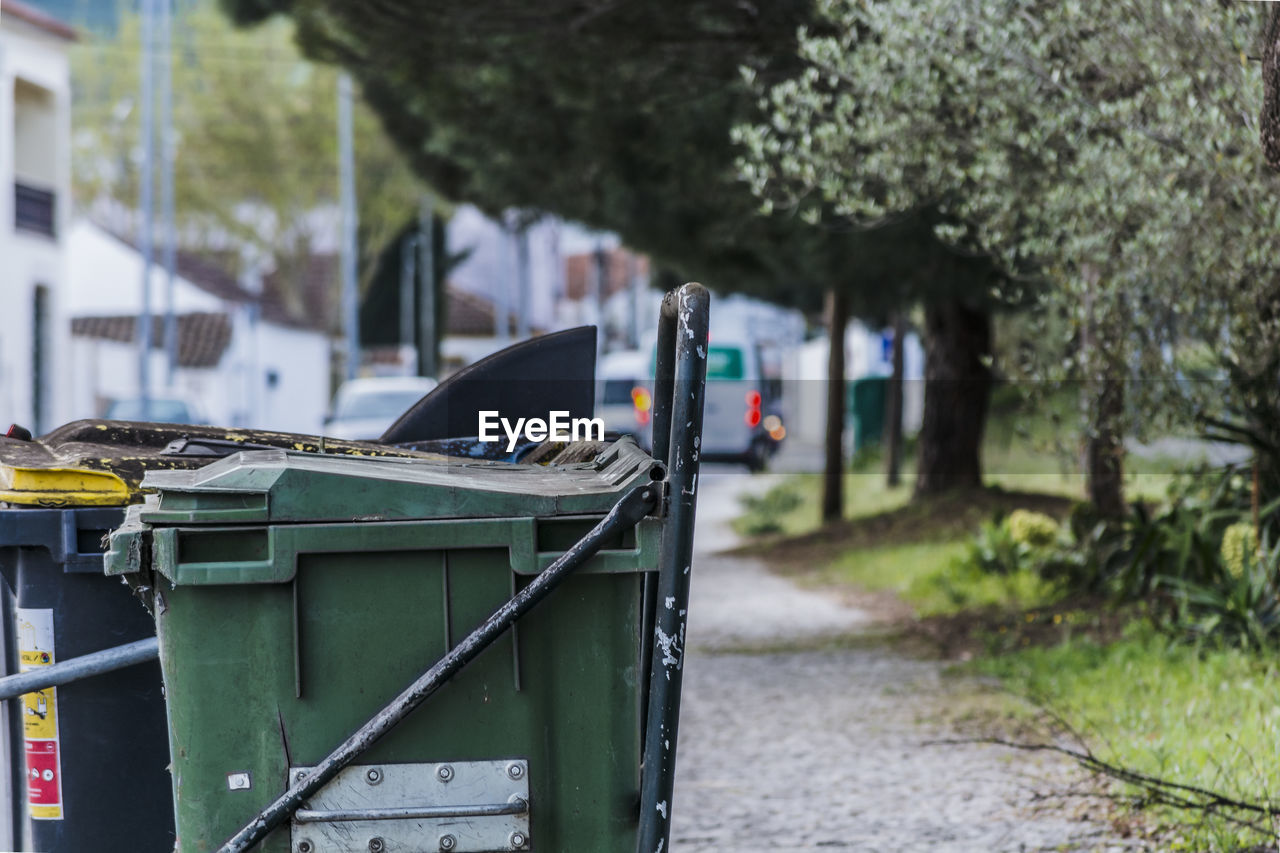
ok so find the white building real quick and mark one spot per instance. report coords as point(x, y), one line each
point(241, 360)
point(35, 199)
point(867, 352)
point(491, 266)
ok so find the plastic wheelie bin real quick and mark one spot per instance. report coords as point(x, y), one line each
point(81, 754)
point(428, 654)
point(84, 754)
point(866, 409)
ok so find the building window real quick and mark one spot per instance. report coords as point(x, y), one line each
point(35, 159)
point(34, 210)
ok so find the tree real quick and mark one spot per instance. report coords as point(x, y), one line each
point(1096, 147)
point(255, 142)
point(381, 304)
point(616, 115)
point(1269, 117)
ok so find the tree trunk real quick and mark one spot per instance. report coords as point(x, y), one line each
point(956, 394)
point(1104, 408)
point(1104, 450)
point(1269, 120)
point(833, 471)
point(893, 407)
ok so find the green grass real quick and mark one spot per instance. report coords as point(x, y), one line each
point(934, 579)
point(1020, 453)
point(1197, 716)
point(1203, 716)
point(865, 494)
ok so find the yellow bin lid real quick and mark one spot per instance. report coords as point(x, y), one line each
point(54, 487)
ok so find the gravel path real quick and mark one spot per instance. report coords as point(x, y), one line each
point(791, 750)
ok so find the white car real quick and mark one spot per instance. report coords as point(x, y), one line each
point(164, 410)
point(623, 396)
point(364, 408)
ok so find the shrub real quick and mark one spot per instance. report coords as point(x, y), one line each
point(1031, 528)
point(763, 513)
point(1242, 608)
point(995, 551)
point(1239, 542)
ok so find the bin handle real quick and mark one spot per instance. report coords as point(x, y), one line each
point(626, 513)
point(679, 389)
point(517, 805)
point(84, 666)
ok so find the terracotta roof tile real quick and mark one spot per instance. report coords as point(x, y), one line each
point(36, 18)
point(619, 264)
point(203, 338)
point(214, 273)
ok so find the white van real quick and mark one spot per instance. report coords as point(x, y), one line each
point(737, 404)
point(741, 422)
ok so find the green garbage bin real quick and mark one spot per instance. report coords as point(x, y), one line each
point(866, 408)
point(296, 595)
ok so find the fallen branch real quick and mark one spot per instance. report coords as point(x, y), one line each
point(1158, 791)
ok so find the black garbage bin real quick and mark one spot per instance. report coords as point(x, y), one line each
point(90, 757)
point(91, 754)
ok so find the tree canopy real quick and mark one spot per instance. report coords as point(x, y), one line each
point(1105, 147)
point(255, 142)
point(614, 115)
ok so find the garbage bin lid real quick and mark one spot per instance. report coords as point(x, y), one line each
point(284, 486)
point(101, 463)
point(58, 487)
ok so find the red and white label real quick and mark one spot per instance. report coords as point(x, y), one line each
point(44, 783)
point(40, 717)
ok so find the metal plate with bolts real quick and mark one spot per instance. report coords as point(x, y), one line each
point(455, 807)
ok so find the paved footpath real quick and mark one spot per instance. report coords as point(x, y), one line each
point(783, 749)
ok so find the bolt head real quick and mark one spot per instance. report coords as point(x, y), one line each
point(299, 776)
point(518, 840)
point(373, 775)
point(515, 771)
point(304, 847)
point(448, 842)
point(377, 845)
point(444, 772)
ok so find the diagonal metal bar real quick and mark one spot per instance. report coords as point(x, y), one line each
point(628, 512)
point(74, 669)
point(691, 308)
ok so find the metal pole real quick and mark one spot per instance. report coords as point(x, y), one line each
point(600, 296)
point(166, 189)
point(657, 783)
point(664, 378)
point(664, 383)
point(522, 283)
point(347, 192)
point(635, 287)
point(64, 672)
point(143, 330)
point(427, 282)
point(501, 300)
point(15, 815)
point(408, 279)
point(627, 513)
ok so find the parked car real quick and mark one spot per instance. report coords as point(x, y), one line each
point(364, 408)
point(163, 410)
point(624, 396)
